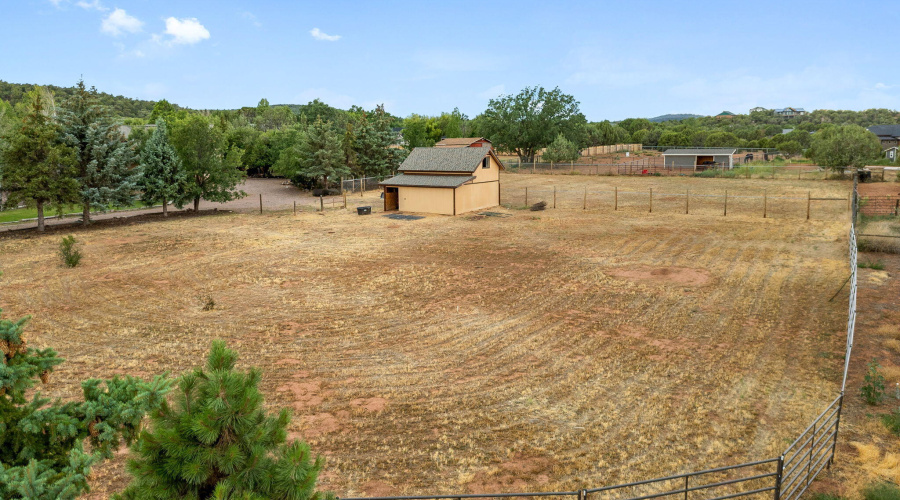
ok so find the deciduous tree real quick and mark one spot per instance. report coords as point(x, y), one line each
point(844, 146)
point(531, 120)
point(211, 166)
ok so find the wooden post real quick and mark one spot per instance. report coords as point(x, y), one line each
point(808, 202)
point(585, 199)
point(651, 200)
point(687, 202)
point(362, 187)
point(616, 206)
point(799, 171)
point(533, 165)
point(765, 203)
point(725, 214)
point(773, 172)
point(345, 200)
point(526, 196)
point(572, 164)
point(295, 207)
point(321, 203)
point(260, 203)
point(551, 169)
point(554, 196)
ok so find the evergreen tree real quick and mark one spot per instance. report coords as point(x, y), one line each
point(163, 180)
point(218, 442)
point(212, 167)
point(35, 166)
point(562, 149)
point(322, 153)
point(373, 141)
point(41, 443)
point(105, 161)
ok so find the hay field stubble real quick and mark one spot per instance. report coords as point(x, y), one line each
point(544, 351)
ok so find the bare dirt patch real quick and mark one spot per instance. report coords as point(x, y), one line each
point(665, 275)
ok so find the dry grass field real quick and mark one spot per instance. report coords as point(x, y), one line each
point(540, 351)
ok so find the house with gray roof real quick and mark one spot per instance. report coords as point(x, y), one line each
point(447, 180)
point(699, 158)
point(889, 135)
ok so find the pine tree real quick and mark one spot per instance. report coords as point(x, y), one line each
point(322, 153)
point(212, 167)
point(562, 149)
point(106, 173)
point(163, 179)
point(41, 443)
point(374, 138)
point(218, 442)
point(35, 166)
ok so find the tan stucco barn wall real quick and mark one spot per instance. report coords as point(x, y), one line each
point(487, 174)
point(427, 200)
point(477, 196)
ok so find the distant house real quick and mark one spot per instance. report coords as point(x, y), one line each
point(725, 114)
point(790, 112)
point(891, 153)
point(699, 159)
point(889, 135)
point(445, 180)
point(464, 142)
point(758, 109)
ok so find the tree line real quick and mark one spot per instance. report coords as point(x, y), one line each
point(76, 152)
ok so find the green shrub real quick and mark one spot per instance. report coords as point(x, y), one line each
point(868, 264)
point(881, 491)
point(70, 255)
point(872, 391)
point(892, 422)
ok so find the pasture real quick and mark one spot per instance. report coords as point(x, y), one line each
point(542, 351)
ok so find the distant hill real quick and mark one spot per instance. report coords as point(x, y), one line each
point(123, 107)
point(676, 116)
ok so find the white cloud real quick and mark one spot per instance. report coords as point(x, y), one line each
point(883, 86)
point(119, 22)
point(93, 4)
point(184, 31)
point(319, 35)
point(493, 92)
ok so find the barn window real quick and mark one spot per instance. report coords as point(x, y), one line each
point(485, 162)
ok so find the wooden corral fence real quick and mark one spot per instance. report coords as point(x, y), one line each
point(879, 205)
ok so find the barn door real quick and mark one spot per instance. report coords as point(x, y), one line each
point(391, 199)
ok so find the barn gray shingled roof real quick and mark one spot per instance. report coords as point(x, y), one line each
point(443, 160)
point(700, 152)
point(883, 130)
point(424, 180)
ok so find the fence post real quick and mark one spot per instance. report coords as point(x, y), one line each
point(526, 196)
point(651, 200)
point(554, 196)
point(808, 202)
point(585, 199)
point(321, 203)
point(295, 207)
point(572, 164)
point(779, 475)
point(725, 214)
point(616, 206)
point(765, 202)
point(686, 487)
point(837, 425)
point(687, 203)
point(345, 200)
point(260, 203)
point(812, 442)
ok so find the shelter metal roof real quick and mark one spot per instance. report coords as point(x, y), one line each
point(700, 152)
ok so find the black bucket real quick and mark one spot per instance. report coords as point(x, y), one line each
point(363, 210)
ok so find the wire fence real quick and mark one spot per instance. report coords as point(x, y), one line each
point(362, 184)
point(654, 166)
point(786, 477)
point(723, 203)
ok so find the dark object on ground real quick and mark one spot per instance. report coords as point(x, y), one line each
point(748, 157)
point(538, 206)
point(865, 175)
point(363, 210)
point(403, 217)
point(495, 214)
point(326, 192)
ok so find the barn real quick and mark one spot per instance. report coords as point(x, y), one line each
point(448, 181)
point(699, 159)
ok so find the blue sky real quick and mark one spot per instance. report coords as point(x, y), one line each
point(619, 59)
